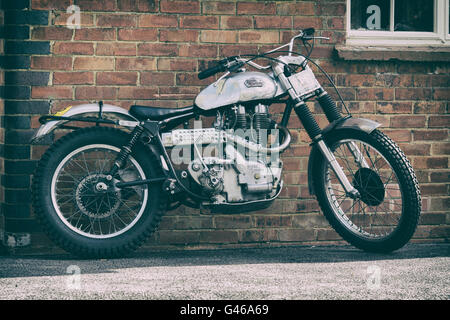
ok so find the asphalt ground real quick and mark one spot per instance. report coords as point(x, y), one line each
point(417, 271)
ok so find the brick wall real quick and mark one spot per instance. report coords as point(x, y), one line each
point(2, 134)
point(149, 52)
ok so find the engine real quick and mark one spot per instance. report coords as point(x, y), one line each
point(246, 166)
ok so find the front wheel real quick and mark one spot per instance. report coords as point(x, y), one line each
point(78, 204)
point(385, 215)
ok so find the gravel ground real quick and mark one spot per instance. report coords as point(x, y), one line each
point(417, 271)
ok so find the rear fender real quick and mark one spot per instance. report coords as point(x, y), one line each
point(122, 114)
point(361, 124)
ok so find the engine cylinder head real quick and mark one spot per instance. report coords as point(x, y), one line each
point(261, 121)
point(241, 118)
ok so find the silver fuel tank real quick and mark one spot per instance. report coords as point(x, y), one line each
point(239, 87)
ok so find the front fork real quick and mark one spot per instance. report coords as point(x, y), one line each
point(315, 133)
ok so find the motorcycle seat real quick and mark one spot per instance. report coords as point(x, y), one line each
point(156, 113)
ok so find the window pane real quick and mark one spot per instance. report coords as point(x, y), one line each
point(414, 15)
point(370, 14)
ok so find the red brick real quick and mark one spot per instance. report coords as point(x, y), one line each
point(180, 6)
point(296, 8)
point(124, 64)
point(258, 235)
point(138, 5)
point(256, 8)
point(116, 49)
point(93, 63)
point(116, 20)
point(307, 22)
point(51, 63)
point(50, 4)
point(96, 34)
point(433, 189)
point(134, 93)
point(157, 49)
point(336, 23)
point(440, 80)
point(103, 5)
point(439, 121)
point(154, 21)
point(374, 94)
point(51, 33)
point(233, 22)
point(177, 93)
point(218, 7)
point(157, 78)
point(178, 237)
point(440, 176)
point(199, 51)
point(73, 78)
point(430, 162)
point(178, 35)
point(412, 94)
point(289, 235)
point(138, 34)
point(199, 22)
point(394, 107)
point(190, 79)
point(441, 94)
point(331, 8)
point(233, 222)
point(273, 221)
point(441, 148)
point(219, 236)
point(429, 107)
point(356, 80)
point(399, 135)
point(177, 64)
point(73, 48)
point(435, 135)
point(60, 19)
point(273, 23)
point(219, 36)
point(52, 92)
point(95, 92)
point(268, 36)
point(116, 78)
point(416, 149)
point(234, 50)
point(407, 122)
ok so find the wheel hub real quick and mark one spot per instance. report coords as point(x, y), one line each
point(370, 186)
point(94, 196)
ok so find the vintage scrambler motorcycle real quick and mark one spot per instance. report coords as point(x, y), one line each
point(101, 191)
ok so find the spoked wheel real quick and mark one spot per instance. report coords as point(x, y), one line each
point(85, 198)
point(385, 214)
point(78, 204)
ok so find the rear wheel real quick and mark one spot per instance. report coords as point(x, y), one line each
point(76, 200)
point(385, 215)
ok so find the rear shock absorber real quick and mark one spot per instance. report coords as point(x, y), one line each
point(329, 107)
point(126, 150)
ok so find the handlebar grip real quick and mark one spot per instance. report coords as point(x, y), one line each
point(308, 31)
point(211, 71)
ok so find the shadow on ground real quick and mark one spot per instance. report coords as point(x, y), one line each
point(53, 265)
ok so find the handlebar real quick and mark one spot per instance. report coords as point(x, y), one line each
point(211, 71)
point(234, 63)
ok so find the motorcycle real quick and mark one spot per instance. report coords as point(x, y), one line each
point(101, 190)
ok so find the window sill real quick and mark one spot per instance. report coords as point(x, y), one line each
point(386, 53)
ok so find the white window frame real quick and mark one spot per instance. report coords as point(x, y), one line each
point(440, 37)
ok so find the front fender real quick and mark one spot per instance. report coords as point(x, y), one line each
point(361, 124)
point(92, 108)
